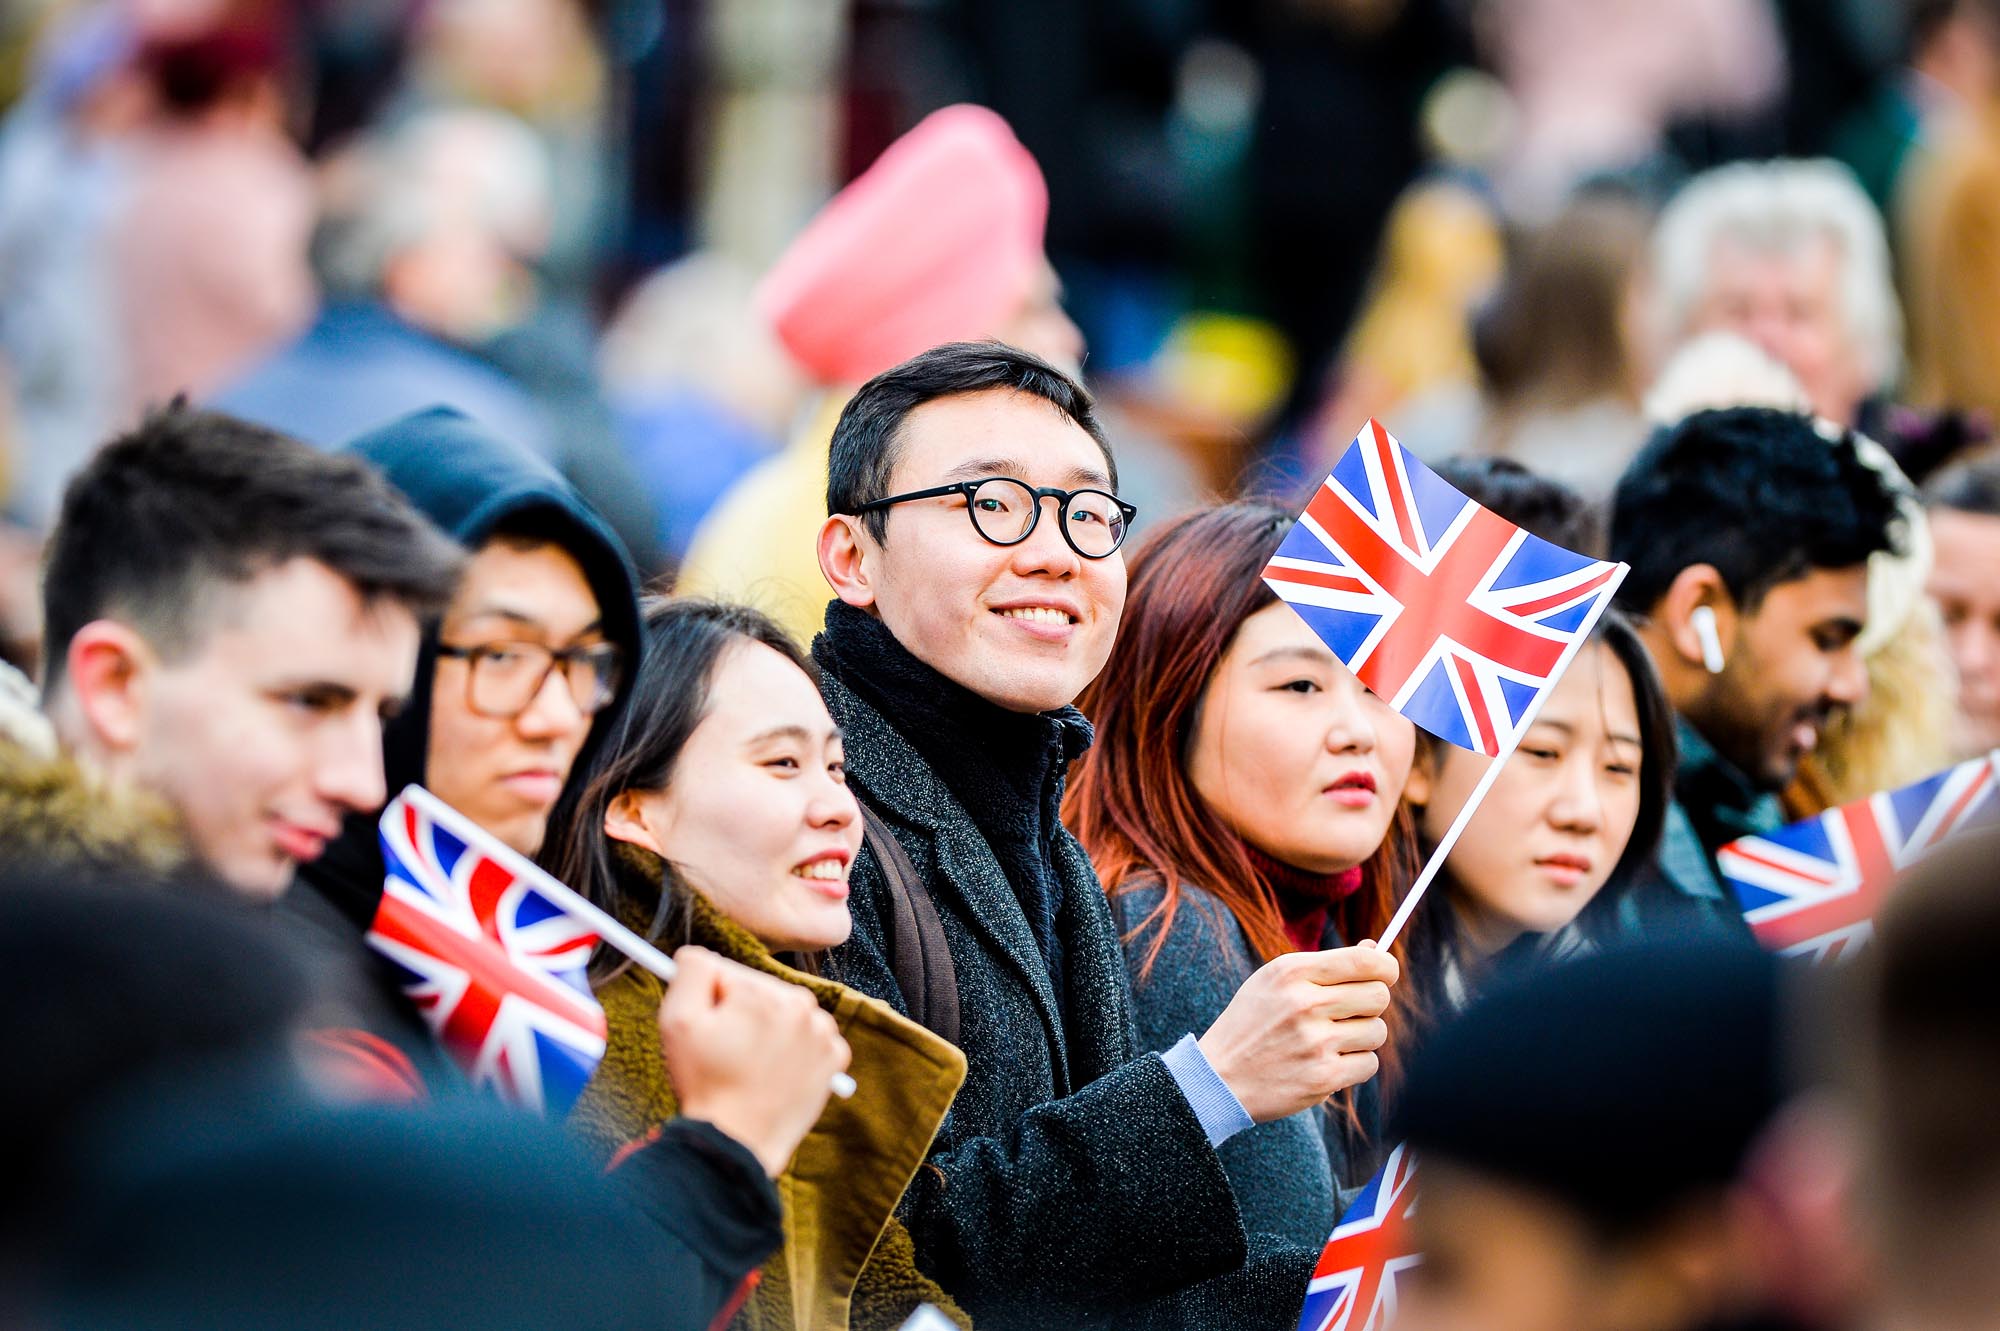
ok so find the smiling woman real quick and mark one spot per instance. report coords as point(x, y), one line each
point(718, 814)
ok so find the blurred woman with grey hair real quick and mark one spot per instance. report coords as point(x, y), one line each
point(1791, 255)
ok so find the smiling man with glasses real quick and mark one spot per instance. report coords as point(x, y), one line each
point(973, 545)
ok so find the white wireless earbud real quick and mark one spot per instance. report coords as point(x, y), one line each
point(1702, 621)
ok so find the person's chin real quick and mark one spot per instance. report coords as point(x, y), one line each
point(263, 877)
point(1982, 733)
point(824, 929)
point(1783, 768)
point(522, 832)
point(1031, 690)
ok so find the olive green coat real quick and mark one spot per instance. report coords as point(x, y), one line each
point(847, 1261)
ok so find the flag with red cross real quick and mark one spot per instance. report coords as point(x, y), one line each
point(1457, 617)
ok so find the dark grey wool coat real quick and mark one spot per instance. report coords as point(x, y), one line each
point(1071, 1185)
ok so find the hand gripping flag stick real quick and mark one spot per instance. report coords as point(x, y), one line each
point(1457, 618)
point(1492, 774)
point(612, 932)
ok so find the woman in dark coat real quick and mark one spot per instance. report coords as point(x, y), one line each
point(1243, 801)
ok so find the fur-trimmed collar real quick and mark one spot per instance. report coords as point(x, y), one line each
point(52, 812)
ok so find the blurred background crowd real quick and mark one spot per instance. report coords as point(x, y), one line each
point(1266, 222)
point(660, 242)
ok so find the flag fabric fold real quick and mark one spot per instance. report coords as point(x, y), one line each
point(1459, 619)
point(1353, 1288)
point(1811, 889)
point(486, 949)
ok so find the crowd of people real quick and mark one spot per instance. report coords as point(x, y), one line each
point(957, 744)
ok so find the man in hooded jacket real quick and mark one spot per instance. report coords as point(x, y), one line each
point(525, 673)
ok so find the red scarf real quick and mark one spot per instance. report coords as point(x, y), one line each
point(1305, 898)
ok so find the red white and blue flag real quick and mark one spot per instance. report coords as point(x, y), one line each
point(1457, 617)
point(1811, 888)
point(1354, 1286)
point(489, 956)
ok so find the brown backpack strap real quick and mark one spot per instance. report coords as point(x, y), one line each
point(919, 957)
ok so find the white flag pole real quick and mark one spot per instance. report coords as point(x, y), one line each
point(1492, 773)
point(612, 932)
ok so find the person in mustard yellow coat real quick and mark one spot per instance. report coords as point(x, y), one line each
point(719, 816)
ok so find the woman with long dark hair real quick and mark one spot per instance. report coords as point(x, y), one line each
point(1242, 801)
point(1563, 843)
point(718, 814)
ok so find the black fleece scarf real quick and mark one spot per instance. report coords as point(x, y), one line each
point(1006, 768)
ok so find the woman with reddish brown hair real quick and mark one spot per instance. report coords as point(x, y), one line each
point(1242, 800)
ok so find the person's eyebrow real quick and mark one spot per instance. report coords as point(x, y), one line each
point(1307, 655)
point(1087, 478)
point(1633, 740)
point(497, 610)
point(1553, 724)
point(332, 688)
point(973, 467)
point(775, 733)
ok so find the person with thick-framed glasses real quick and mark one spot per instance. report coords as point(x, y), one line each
point(1006, 510)
point(503, 678)
point(951, 660)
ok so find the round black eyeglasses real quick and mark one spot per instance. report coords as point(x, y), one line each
point(1004, 511)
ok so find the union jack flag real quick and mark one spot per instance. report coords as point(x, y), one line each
point(1354, 1286)
point(492, 962)
point(1811, 888)
point(1457, 617)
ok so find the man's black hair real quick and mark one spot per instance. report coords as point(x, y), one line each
point(191, 499)
point(1970, 485)
point(868, 436)
point(1760, 494)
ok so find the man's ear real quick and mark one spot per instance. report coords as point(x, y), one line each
point(846, 556)
point(625, 820)
point(1696, 586)
point(108, 671)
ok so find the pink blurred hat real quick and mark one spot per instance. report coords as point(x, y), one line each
point(938, 241)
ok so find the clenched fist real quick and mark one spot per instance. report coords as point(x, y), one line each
point(749, 1053)
point(1303, 1027)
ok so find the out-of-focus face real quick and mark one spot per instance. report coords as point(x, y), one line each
point(1550, 831)
point(1965, 584)
point(505, 773)
point(270, 732)
point(1790, 304)
point(758, 815)
point(1293, 753)
point(1791, 668)
point(1041, 326)
point(1498, 1257)
point(1024, 626)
